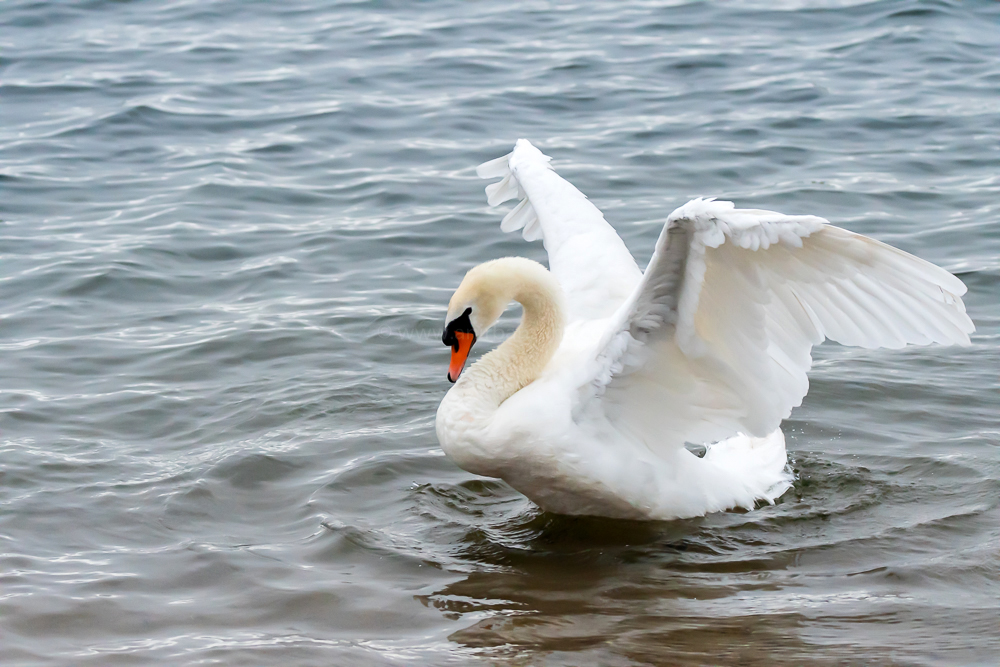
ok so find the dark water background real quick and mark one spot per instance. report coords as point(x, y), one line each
point(229, 231)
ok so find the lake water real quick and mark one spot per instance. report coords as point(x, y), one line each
point(229, 233)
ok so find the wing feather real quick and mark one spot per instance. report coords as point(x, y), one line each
point(717, 338)
point(586, 255)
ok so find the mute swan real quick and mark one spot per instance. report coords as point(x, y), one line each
point(587, 407)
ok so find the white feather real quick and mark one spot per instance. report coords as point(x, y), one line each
point(712, 343)
point(759, 289)
point(585, 253)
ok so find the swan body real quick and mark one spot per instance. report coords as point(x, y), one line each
point(587, 408)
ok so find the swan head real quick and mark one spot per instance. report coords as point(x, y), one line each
point(474, 307)
point(480, 300)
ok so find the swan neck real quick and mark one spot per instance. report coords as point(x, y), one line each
point(522, 358)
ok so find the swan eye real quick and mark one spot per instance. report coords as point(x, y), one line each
point(461, 324)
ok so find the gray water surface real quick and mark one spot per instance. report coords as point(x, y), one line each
point(228, 233)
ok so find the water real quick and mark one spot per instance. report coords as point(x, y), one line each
point(229, 232)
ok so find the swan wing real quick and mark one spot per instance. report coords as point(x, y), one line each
point(586, 255)
point(717, 337)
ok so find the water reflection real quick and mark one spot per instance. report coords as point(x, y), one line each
point(613, 591)
point(765, 587)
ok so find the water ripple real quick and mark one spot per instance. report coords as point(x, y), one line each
point(229, 232)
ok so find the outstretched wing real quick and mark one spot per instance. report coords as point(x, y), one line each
point(586, 255)
point(717, 338)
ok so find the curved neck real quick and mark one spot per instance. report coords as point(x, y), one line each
point(520, 359)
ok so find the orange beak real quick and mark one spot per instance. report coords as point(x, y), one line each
point(460, 353)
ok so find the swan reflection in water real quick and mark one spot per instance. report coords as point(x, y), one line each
point(737, 587)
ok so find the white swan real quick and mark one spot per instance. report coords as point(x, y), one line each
point(587, 407)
